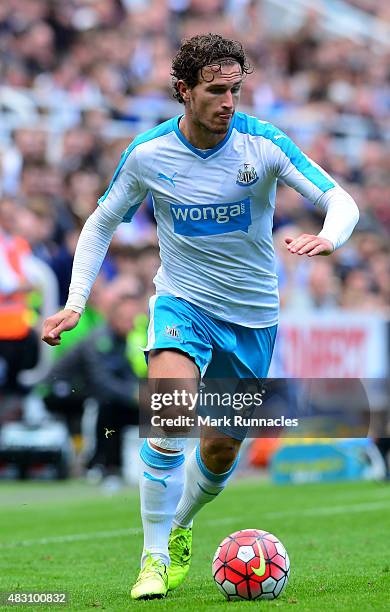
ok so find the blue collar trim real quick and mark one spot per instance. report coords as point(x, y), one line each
point(199, 152)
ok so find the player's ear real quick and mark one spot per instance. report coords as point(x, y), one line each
point(183, 90)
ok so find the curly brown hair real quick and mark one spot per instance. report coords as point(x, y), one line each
point(204, 50)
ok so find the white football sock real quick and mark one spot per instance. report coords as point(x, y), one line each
point(201, 487)
point(161, 486)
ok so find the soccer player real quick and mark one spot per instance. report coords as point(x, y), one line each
point(212, 172)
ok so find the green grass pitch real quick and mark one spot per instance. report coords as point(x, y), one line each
point(68, 537)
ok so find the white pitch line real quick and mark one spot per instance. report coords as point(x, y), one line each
point(328, 511)
point(92, 535)
point(75, 537)
point(115, 533)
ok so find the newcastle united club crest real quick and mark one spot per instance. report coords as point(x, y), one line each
point(247, 175)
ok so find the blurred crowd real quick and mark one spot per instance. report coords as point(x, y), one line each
point(105, 57)
point(78, 79)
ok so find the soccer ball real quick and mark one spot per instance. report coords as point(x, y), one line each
point(251, 564)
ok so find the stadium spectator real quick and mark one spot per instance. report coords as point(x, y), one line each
point(320, 292)
point(18, 341)
point(103, 367)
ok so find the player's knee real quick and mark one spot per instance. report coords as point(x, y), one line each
point(170, 445)
point(219, 454)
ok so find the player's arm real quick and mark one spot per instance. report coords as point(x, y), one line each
point(123, 197)
point(311, 181)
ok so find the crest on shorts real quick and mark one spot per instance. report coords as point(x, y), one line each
point(247, 175)
point(172, 332)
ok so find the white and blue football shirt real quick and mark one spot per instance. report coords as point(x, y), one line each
point(214, 212)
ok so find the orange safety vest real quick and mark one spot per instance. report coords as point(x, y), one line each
point(14, 313)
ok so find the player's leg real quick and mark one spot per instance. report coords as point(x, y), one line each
point(244, 354)
point(177, 340)
point(161, 480)
point(162, 475)
point(208, 469)
point(213, 462)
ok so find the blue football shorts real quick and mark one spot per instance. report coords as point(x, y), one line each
point(219, 349)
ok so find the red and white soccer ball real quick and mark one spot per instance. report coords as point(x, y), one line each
point(251, 564)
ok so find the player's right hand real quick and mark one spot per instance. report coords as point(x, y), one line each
point(64, 320)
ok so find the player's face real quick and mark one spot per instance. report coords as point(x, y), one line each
point(212, 102)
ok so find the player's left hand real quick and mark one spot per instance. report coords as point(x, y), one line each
point(309, 244)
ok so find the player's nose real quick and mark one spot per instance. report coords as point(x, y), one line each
point(227, 102)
